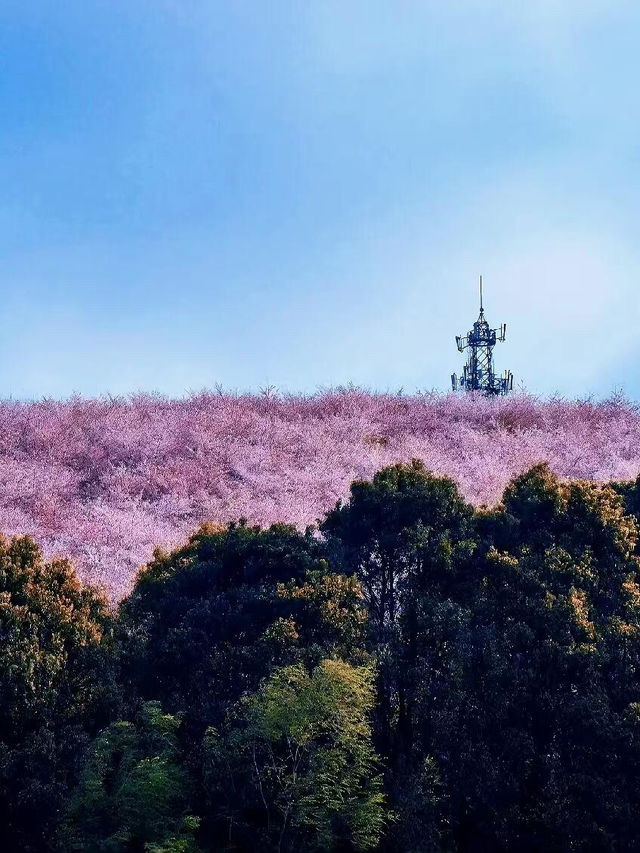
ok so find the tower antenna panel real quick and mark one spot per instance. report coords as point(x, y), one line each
point(479, 372)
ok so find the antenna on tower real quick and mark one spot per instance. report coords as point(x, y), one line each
point(478, 373)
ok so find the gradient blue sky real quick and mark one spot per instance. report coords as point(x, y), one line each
point(303, 194)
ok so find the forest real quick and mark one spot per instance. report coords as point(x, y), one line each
point(415, 673)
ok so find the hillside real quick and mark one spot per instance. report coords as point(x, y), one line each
point(103, 481)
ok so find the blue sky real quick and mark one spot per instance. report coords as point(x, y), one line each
point(303, 194)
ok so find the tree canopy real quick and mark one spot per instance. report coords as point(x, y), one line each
point(414, 676)
point(299, 757)
point(56, 686)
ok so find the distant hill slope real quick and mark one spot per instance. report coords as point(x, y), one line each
point(103, 481)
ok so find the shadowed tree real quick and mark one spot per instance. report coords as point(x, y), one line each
point(406, 536)
point(207, 624)
point(56, 687)
point(537, 734)
point(193, 625)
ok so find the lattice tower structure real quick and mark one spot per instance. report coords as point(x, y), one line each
point(479, 373)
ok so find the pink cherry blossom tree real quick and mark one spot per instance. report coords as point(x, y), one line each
point(103, 481)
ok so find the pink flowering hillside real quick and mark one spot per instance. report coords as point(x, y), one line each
point(103, 481)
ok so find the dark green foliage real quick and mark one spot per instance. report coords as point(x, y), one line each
point(407, 535)
point(509, 661)
point(207, 624)
point(630, 493)
point(56, 687)
point(195, 629)
point(482, 667)
point(544, 702)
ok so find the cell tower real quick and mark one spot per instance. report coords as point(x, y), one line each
point(478, 373)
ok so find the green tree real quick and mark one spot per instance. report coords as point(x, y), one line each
point(56, 687)
point(630, 493)
point(507, 642)
point(192, 631)
point(407, 535)
point(134, 791)
point(535, 730)
point(205, 625)
point(557, 628)
point(325, 614)
point(296, 770)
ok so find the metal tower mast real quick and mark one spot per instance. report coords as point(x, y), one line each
point(478, 373)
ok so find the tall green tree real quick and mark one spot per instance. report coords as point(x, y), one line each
point(56, 687)
point(205, 625)
point(407, 536)
point(541, 712)
point(191, 631)
point(134, 791)
point(507, 642)
point(295, 769)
